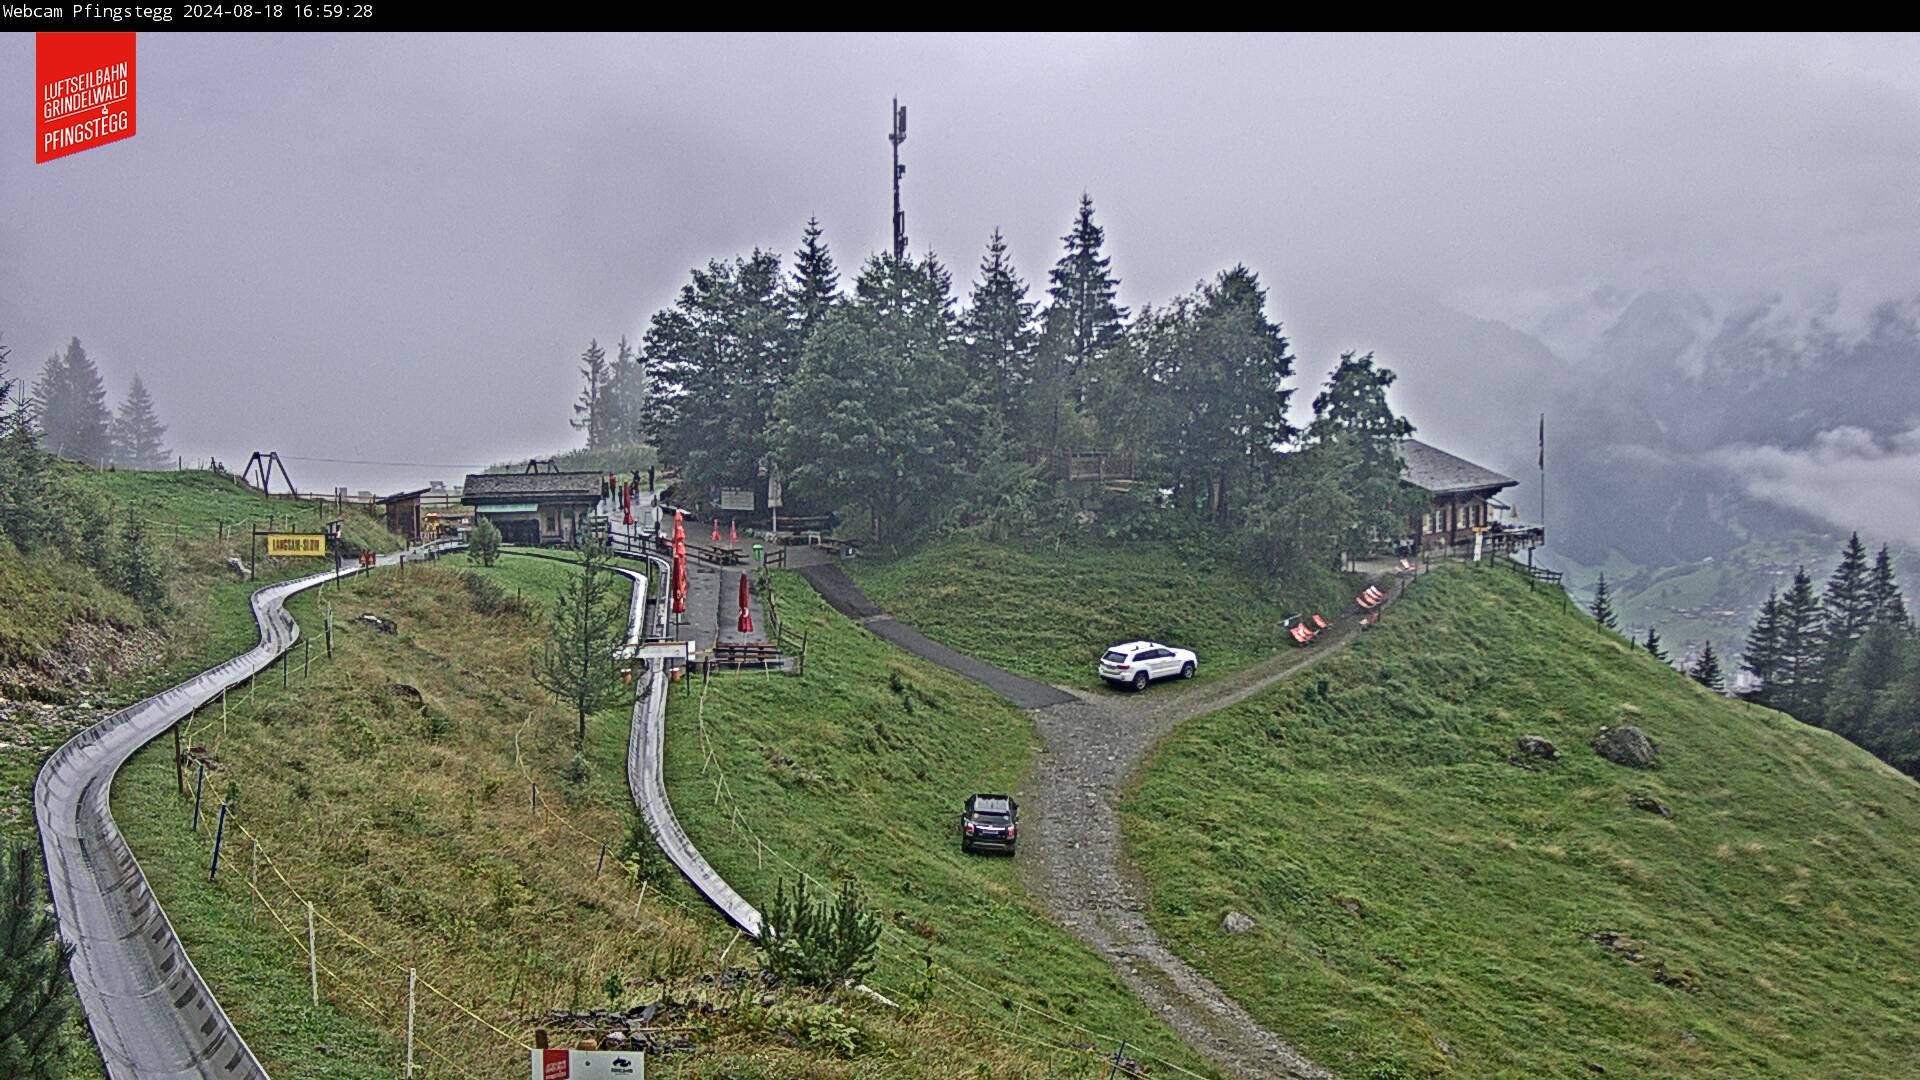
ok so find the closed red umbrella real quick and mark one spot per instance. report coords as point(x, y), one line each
point(746, 609)
point(679, 570)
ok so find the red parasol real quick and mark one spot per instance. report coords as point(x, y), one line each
point(746, 611)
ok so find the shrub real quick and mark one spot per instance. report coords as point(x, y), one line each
point(827, 942)
point(641, 856)
point(484, 546)
point(488, 597)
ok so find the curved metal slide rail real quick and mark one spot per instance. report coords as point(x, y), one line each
point(646, 748)
point(150, 1010)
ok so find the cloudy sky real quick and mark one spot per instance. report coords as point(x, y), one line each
point(390, 249)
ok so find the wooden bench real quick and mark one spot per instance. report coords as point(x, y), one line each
point(741, 654)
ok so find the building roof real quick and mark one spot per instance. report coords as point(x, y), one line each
point(1437, 471)
point(520, 487)
point(399, 496)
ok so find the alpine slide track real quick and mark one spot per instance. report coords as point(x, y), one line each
point(153, 1014)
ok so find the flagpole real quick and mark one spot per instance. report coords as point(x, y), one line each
point(1543, 475)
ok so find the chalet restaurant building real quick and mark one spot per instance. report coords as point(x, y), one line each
point(538, 509)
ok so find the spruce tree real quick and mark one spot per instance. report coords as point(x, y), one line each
point(73, 407)
point(816, 281)
point(27, 517)
point(588, 415)
point(1083, 319)
point(1706, 670)
point(1802, 642)
point(1889, 607)
point(716, 359)
point(1653, 645)
point(578, 662)
point(137, 432)
point(1848, 604)
point(1859, 689)
point(6, 391)
point(1602, 607)
point(880, 415)
point(1762, 655)
point(139, 574)
point(1000, 333)
point(1353, 408)
point(34, 1002)
point(624, 401)
point(484, 547)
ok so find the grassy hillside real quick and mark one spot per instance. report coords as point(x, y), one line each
point(859, 770)
point(1422, 904)
point(394, 789)
point(72, 648)
point(57, 615)
point(1049, 614)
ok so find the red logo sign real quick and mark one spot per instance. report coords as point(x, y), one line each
point(553, 1065)
point(85, 94)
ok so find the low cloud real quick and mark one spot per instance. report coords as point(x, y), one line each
point(1848, 476)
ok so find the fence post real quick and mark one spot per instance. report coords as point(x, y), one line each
point(313, 963)
point(219, 835)
point(602, 864)
point(283, 668)
point(179, 759)
point(198, 782)
point(306, 670)
point(412, 976)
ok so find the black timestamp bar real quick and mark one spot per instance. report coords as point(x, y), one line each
point(395, 15)
point(40, 15)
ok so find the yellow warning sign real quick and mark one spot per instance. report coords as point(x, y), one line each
point(296, 544)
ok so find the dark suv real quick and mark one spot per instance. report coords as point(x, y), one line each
point(989, 823)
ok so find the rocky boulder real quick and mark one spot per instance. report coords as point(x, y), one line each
point(1626, 745)
point(1535, 746)
point(1236, 923)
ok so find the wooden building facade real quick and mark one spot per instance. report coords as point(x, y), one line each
point(403, 515)
point(539, 509)
point(1465, 504)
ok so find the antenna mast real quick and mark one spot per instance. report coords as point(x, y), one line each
point(897, 136)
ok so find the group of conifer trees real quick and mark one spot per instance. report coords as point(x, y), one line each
point(916, 410)
point(1704, 667)
point(1846, 657)
point(41, 508)
point(70, 409)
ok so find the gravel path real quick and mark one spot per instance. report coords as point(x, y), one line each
point(1072, 858)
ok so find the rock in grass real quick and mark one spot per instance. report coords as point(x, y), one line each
point(1236, 923)
point(1626, 745)
point(1650, 804)
point(1535, 746)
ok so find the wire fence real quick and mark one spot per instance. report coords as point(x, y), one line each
point(343, 965)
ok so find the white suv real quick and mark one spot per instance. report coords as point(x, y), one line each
point(1137, 663)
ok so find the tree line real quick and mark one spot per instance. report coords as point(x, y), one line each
point(1845, 657)
point(896, 399)
point(42, 509)
point(70, 409)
